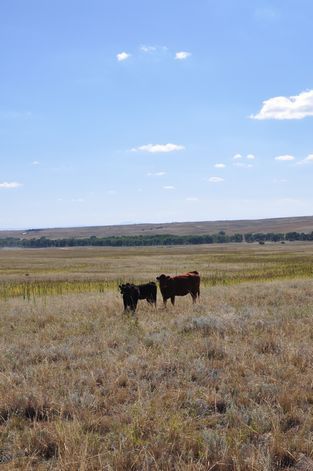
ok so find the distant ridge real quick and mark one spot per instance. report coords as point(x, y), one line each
point(297, 224)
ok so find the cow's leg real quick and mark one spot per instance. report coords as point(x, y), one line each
point(194, 297)
point(173, 300)
point(164, 302)
point(125, 305)
point(134, 306)
point(152, 301)
point(134, 310)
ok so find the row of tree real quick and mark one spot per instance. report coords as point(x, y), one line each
point(151, 240)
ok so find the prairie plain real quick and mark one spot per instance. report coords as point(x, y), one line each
point(225, 384)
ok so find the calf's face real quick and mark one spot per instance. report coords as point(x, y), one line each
point(130, 297)
point(164, 280)
point(124, 288)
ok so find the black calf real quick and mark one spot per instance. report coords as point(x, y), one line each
point(131, 293)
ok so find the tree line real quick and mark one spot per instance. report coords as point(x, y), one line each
point(153, 240)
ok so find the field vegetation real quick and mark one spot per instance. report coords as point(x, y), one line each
point(299, 224)
point(225, 384)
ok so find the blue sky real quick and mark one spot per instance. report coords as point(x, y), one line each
point(116, 111)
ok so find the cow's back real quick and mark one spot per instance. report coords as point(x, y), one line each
point(148, 290)
point(188, 283)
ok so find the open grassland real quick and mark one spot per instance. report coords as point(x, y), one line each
point(298, 224)
point(225, 384)
point(33, 272)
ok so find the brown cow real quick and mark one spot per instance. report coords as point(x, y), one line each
point(179, 285)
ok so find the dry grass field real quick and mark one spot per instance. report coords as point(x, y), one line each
point(223, 385)
point(299, 224)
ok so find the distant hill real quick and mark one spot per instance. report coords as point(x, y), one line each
point(298, 224)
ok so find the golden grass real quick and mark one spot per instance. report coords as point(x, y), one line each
point(43, 272)
point(223, 385)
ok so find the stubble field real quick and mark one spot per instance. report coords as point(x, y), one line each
point(225, 384)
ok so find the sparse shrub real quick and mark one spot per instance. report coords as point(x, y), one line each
point(206, 324)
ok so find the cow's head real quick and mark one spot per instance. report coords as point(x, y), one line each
point(163, 279)
point(123, 287)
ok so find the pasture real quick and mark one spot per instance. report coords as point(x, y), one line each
point(225, 384)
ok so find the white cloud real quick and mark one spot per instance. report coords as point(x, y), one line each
point(251, 157)
point(35, 162)
point(181, 55)
point(156, 174)
point(293, 107)
point(111, 192)
point(10, 185)
point(192, 198)
point(122, 56)
point(169, 187)
point(216, 179)
point(219, 165)
point(147, 49)
point(286, 157)
point(237, 157)
point(307, 160)
point(158, 148)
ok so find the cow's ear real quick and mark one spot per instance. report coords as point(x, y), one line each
point(167, 277)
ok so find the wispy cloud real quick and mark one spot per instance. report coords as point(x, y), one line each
point(169, 187)
point(148, 49)
point(10, 185)
point(267, 14)
point(123, 56)
point(293, 107)
point(35, 162)
point(242, 165)
point(219, 165)
point(182, 55)
point(285, 158)
point(216, 179)
point(158, 148)
point(156, 174)
point(192, 198)
point(77, 200)
point(307, 160)
point(12, 115)
point(112, 192)
point(238, 158)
